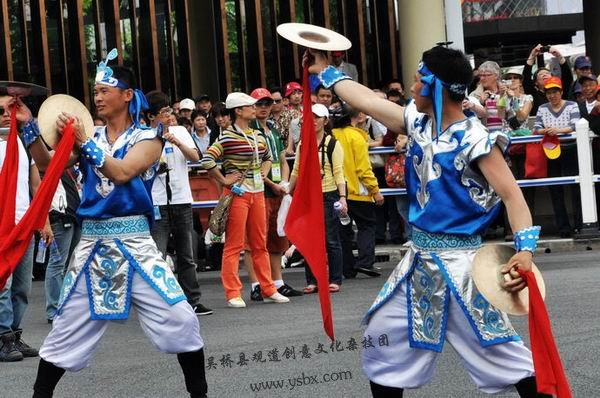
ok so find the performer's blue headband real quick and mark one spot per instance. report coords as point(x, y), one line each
point(104, 75)
point(432, 88)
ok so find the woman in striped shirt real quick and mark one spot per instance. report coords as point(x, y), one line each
point(246, 160)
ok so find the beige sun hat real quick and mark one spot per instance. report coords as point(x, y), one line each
point(54, 106)
point(487, 277)
point(312, 36)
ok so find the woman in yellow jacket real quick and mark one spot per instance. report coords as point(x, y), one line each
point(363, 195)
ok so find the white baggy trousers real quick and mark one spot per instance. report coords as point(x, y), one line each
point(493, 369)
point(75, 336)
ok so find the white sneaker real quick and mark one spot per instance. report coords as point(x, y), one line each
point(236, 302)
point(277, 298)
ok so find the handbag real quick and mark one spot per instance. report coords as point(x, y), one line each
point(536, 162)
point(394, 171)
point(217, 223)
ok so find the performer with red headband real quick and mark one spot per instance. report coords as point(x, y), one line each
point(117, 265)
point(456, 177)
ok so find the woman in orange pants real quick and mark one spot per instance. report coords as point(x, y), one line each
point(243, 149)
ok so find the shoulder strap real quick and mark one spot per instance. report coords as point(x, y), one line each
point(330, 149)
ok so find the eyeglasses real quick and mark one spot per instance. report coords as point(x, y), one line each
point(266, 103)
point(277, 101)
point(166, 111)
point(485, 75)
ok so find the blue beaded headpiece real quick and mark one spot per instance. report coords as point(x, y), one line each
point(104, 75)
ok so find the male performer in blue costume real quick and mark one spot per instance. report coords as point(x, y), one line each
point(456, 177)
point(116, 265)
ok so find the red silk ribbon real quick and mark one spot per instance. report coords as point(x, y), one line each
point(14, 240)
point(549, 373)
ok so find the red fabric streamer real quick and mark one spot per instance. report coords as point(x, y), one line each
point(15, 239)
point(549, 373)
point(305, 223)
point(8, 179)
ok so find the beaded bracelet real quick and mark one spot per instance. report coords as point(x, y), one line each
point(30, 132)
point(330, 76)
point(526, 239)
point(93, 154)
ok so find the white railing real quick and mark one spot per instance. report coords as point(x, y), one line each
point(585, 179)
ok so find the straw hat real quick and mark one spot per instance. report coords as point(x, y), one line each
point(54, 106)
point(486, 274)
point(312, 36)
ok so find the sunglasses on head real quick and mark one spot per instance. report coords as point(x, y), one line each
point(264, 103)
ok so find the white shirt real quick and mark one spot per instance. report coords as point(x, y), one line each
point(590, 105)
point(178, 171)
point(22, 203)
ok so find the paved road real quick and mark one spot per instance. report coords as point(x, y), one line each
point(128, 366)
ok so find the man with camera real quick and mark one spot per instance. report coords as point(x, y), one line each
point(172, 198)
point(534, 84)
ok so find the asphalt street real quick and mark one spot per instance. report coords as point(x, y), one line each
point(284, 347)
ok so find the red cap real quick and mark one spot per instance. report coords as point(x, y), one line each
point(261, 93)
point(551, 146)
point(337, 53)
point(291, 87)
point(553, 82)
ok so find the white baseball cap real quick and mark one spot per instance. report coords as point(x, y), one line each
point(320, 110)
point(187, 105)
point(235, 100)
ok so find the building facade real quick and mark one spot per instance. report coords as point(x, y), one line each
point(191, 47)
point(185, 47)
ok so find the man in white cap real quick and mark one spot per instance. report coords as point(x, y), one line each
point(186, 106)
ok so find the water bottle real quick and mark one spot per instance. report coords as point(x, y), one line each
point(55, 256)
point(41, 252)
point(345, 220)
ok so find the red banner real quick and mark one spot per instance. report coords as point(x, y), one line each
point(305, 224)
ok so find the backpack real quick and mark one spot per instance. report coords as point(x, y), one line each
point(328, 151)
point(394, 171)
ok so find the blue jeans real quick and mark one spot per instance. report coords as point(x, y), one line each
point(402, 204)
point(14, 296)
point(55, 270)
point(333, 241)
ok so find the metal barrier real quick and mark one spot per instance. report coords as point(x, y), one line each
point(585, 179)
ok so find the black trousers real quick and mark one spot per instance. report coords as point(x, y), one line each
point(363, 213)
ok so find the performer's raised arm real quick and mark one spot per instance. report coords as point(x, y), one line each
point(139, 159)
point(358, 96)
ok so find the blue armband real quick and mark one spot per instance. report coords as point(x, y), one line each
point(93, 154)
point(330, 76)
point(526, 239)
point(30, 132)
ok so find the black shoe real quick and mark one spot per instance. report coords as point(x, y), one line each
point(201, 310)
point(289, 291)
point(8, 349)
point(295, 260)
point(368, 271)
point(255, 294)
point(26, 349)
